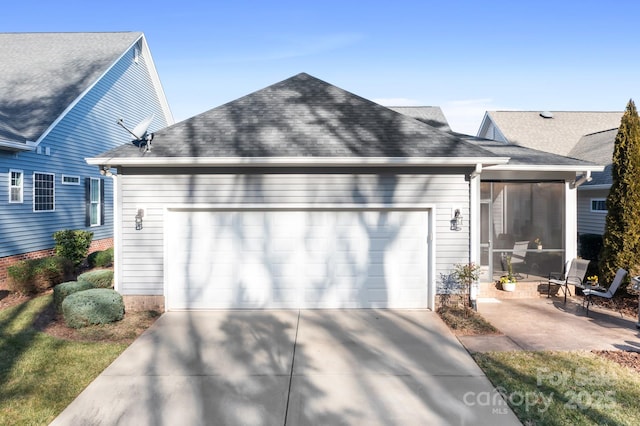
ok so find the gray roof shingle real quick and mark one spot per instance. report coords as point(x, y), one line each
point(559, 134)
point(520, 155)
point(303, 117)
point(431, 115)
point(597, 147)
point(41, 74)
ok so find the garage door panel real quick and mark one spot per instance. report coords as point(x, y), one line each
point(296, 259)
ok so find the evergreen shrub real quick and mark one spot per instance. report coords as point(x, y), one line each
point(61, 291)
point(73, 244)
point(93, 306)
point(101, 259)
point(36, 275)
point(98, 278)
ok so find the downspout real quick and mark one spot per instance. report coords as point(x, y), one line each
point(586, 177)
point(474, 228)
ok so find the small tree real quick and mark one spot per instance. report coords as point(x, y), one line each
point(467, 274)
point(621, 241)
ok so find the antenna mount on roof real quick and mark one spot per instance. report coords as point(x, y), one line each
point(142, 137)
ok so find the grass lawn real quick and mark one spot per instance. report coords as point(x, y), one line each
point(41, 374)
point(564, 388)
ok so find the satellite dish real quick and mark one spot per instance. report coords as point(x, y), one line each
point(140, 130)
point(546, 114)
point(142, 138)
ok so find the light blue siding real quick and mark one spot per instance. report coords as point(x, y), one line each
point(87, 130)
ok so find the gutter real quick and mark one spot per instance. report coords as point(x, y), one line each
point(18, 146)
point(295, 161)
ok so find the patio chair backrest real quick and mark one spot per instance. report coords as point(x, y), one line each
point(617, 281)
point(519, 251)
point(577, 271)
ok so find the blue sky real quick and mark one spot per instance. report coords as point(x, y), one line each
point(465, 56)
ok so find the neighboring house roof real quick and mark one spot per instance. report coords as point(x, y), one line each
point(523, 156)
point(558, 134)
point(597, 147)
point(302, 117)
point(43, 74)
point(431, 115)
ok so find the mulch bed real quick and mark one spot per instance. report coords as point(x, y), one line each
point(625, 358)
point(51, 322)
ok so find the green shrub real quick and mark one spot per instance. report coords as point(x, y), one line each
point(590, 246)
point(93, 306)
point(99, 278)
point(101, 259)
point(36, 275)
point(61, 291)
point(74, 245)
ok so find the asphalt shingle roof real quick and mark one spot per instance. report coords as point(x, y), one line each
point(303, 117)
point(520, 155)
point(41, 74)
point(431, 115)
point(559, 134)
point(597, 147)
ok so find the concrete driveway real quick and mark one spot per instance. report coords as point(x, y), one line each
point(311, 367)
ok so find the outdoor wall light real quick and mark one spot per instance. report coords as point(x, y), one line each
point(139, 217)
point(456, 221)
point(105, 171)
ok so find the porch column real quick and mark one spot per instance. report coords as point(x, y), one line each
point(571, 221)
point(474, 229)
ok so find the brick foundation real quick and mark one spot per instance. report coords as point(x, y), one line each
point(7, 261)
point(143, 303)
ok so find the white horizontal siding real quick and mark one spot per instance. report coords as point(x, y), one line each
point(141, 252)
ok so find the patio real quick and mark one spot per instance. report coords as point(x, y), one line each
point(542, 323)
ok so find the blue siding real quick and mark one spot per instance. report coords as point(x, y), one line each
point(90, 128)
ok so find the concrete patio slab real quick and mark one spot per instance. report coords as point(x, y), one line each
point(376, 367)
point(549, 324)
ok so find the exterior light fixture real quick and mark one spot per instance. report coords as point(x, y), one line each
point(456, 221)
point(138, 218)
point(105, 171)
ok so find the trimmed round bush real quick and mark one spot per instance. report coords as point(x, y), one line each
point(61, 291)
point(93, 306)
point(101, 259)
point(99, 278)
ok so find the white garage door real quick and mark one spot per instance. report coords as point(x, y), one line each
point(297, 259)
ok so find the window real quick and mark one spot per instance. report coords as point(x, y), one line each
point(43, 192)
point(16, 186)
point(95, 201)
point(70, 180)
point(599, 205)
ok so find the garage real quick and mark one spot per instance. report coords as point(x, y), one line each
point(271, 258)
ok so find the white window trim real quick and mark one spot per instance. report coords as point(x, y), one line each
point(597, 211)
point(53, 180)
point(99, 202)
point(21, 186)
point(77, 178)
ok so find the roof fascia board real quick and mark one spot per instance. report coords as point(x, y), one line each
point(483, 124)
point(546, 168)
point(155, 79)
point(295, 161)
point(18, 146)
